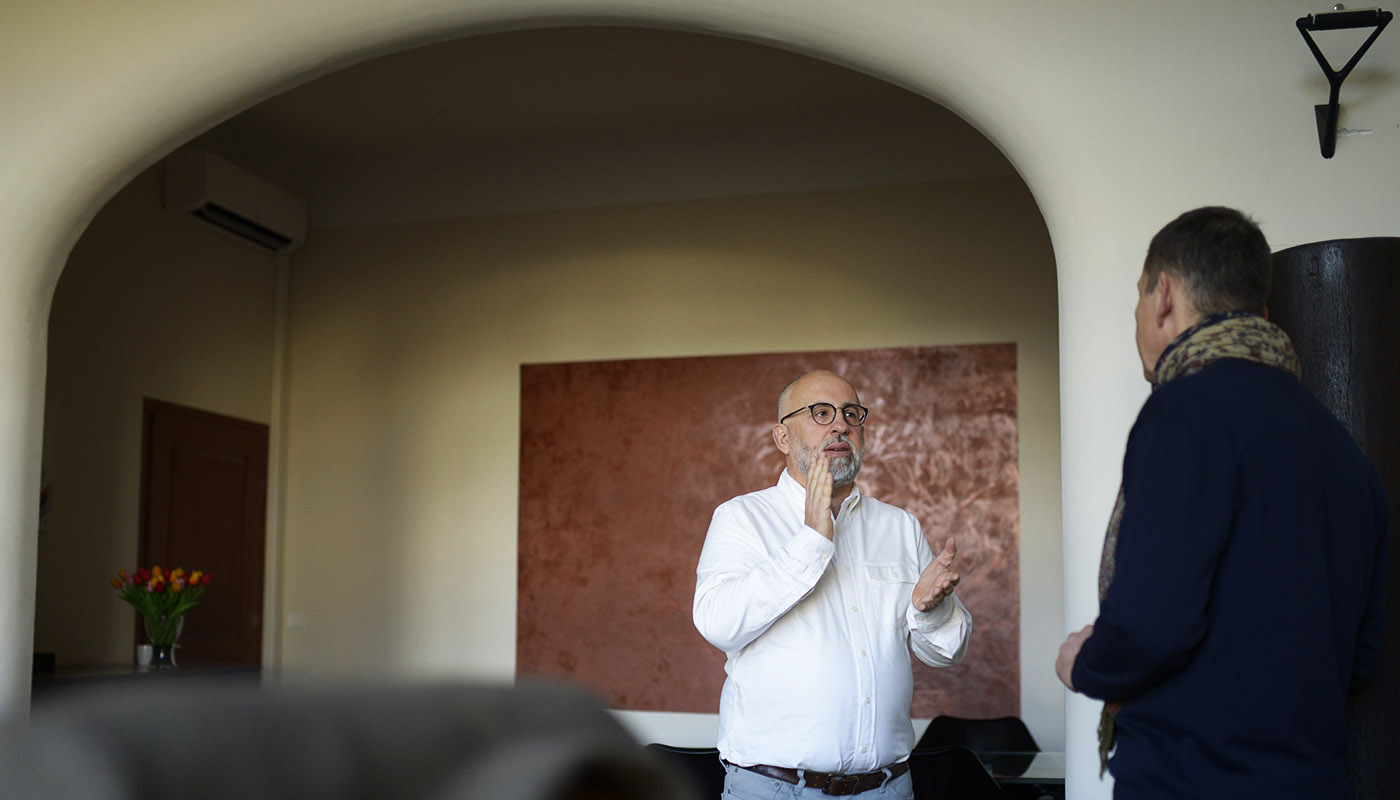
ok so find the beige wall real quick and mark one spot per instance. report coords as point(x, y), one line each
point(149, 305)
point(407, 342)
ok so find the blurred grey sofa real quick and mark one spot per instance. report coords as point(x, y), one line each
point(428, 742)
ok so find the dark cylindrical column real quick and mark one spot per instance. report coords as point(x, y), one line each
point(1338, 301)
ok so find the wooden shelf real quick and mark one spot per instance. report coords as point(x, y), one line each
point(84, 678)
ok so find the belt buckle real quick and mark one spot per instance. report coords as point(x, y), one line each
point(841, 784)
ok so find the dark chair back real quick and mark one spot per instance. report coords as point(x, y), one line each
point(700, 764)
point(1002, 733)
point(951, 772)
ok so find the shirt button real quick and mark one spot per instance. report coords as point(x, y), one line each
point(863, 653)
point(864, 749)
point(854, 610)
point(867, 701)
point(846, 569)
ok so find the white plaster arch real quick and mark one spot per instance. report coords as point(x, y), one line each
point(81, 170)
point(149, 138)
point(83, 167)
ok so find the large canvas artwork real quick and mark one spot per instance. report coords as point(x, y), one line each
point(623, 462)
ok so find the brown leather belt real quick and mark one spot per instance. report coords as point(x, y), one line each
point(829, 782)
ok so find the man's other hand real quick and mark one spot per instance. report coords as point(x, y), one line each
point(1069, 652)
point(938, 579)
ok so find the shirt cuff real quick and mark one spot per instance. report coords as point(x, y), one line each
point(936, 617)
point(810, 551)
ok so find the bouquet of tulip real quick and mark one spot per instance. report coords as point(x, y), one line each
point(162, 598)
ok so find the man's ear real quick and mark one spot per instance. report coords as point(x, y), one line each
point(1168, 296)
point(780, 438)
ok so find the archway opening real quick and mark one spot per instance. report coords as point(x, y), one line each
point(539, 195)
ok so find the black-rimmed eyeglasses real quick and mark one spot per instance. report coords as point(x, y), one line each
point(825, 414)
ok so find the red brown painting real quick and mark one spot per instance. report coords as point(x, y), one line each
point(623, 462)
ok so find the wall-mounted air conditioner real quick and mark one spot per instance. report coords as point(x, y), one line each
point(209, 189)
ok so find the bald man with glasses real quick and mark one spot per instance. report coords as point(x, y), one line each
point(816, 594)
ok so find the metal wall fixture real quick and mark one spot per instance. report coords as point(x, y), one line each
point(1337, 19)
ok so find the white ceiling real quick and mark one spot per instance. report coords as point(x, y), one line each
point(571, 117)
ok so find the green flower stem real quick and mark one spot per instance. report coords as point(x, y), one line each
point(162, 610)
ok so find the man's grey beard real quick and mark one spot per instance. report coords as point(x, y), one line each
point(843, 470)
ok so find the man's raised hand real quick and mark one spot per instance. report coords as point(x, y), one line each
point(818, 515)
point(938, 579)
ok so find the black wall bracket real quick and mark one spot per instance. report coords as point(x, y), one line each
point(1331, 21)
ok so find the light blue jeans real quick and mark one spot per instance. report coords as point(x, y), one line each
point(741, 784)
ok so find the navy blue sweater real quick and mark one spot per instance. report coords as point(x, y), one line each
point(1248, 592)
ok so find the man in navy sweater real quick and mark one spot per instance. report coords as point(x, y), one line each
point(1243, 575)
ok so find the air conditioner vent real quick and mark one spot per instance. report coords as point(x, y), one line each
point(234, 201)
point(241, 226)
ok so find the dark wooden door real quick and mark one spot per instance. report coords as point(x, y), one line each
point(203, 506)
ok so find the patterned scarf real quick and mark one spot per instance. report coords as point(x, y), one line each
point(1234, 334)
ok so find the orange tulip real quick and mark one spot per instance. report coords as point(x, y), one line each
point(121, 573)
point(177, 573)
point(197, 578)
point(156, 573)
point(116, 583)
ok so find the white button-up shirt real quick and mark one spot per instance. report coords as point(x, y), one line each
point(818, 633)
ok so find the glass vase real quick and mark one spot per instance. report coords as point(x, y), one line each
point(164, 633)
